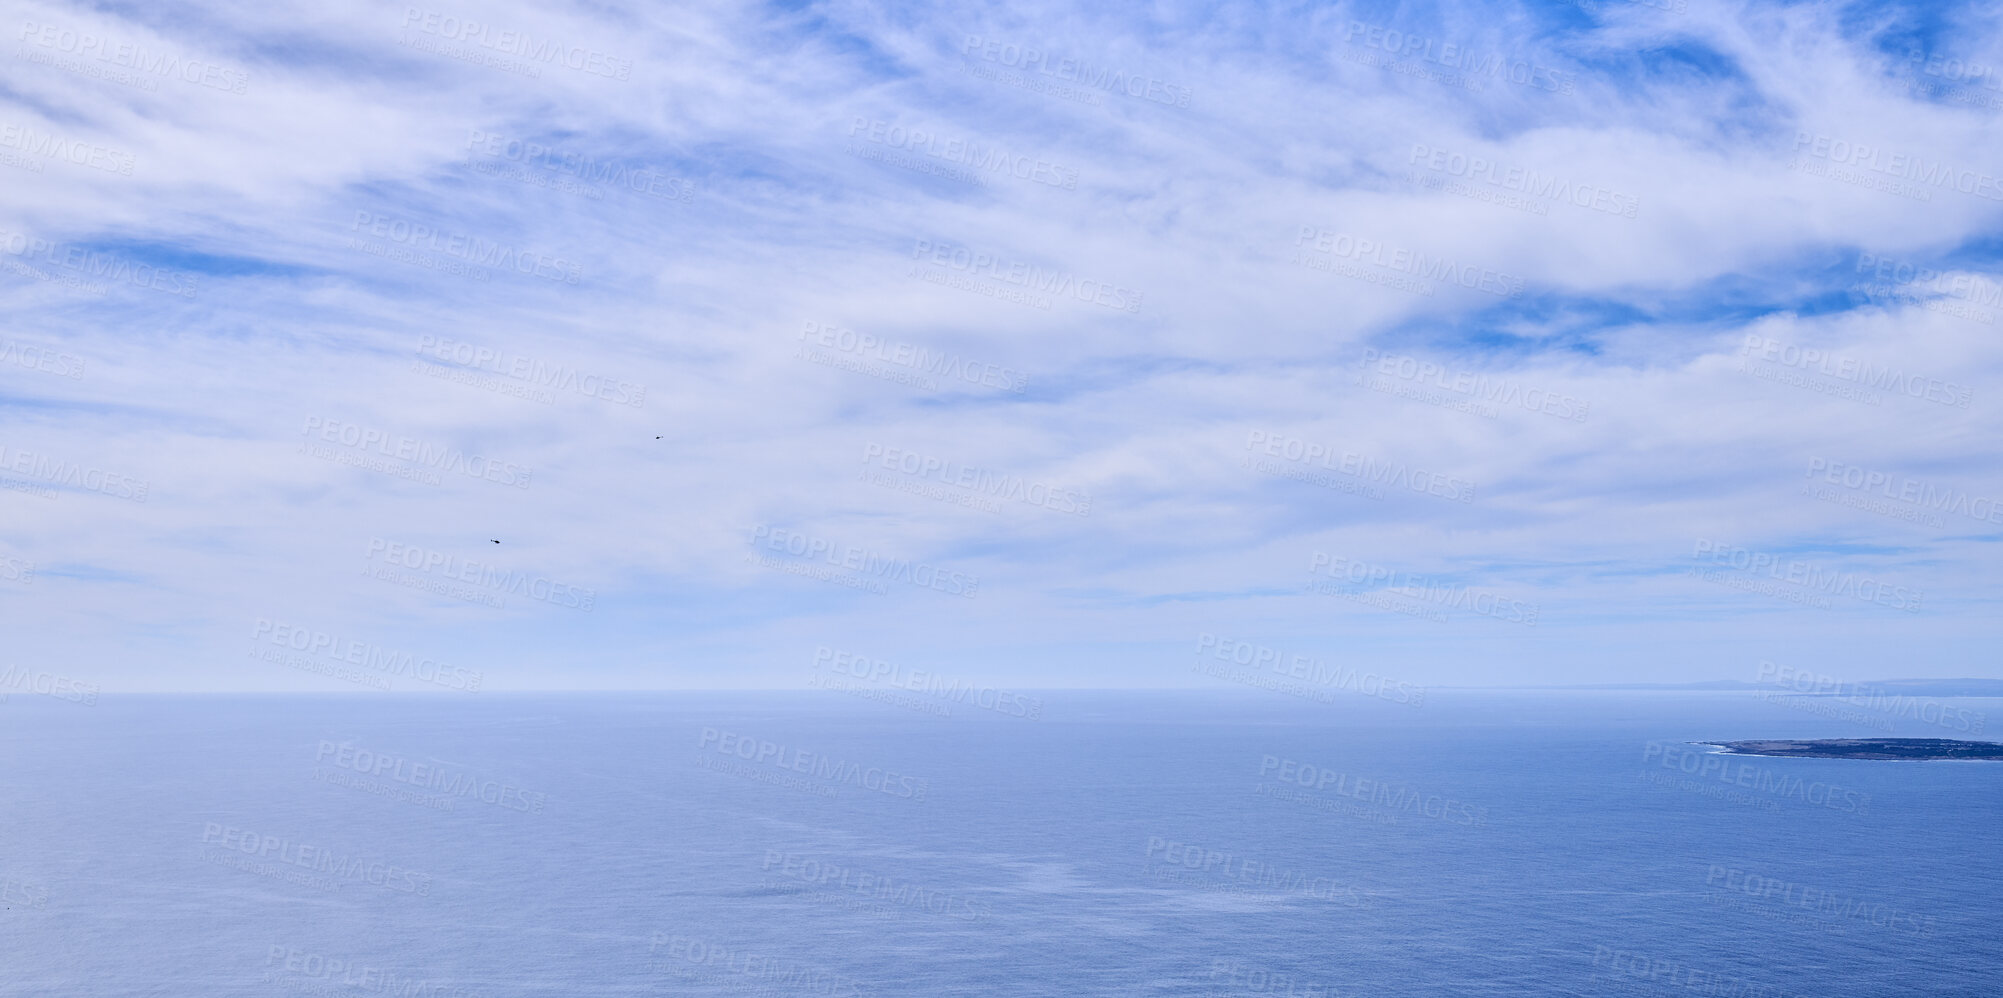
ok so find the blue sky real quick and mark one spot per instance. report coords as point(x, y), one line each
point(1571, 343)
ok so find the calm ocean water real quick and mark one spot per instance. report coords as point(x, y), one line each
point(1110, 844)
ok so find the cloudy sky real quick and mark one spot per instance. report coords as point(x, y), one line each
point(1465, 344)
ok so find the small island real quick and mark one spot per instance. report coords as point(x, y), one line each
point(1866, 748)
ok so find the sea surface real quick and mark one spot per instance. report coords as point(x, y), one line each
point(1054, 843)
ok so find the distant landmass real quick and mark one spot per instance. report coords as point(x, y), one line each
point(1865, 748)
point(1905, 687)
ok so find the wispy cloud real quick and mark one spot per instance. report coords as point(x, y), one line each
point(1126, 318)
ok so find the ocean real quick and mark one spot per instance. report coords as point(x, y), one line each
point(1051, 843)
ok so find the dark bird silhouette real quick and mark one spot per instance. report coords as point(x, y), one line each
point(491, 539)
